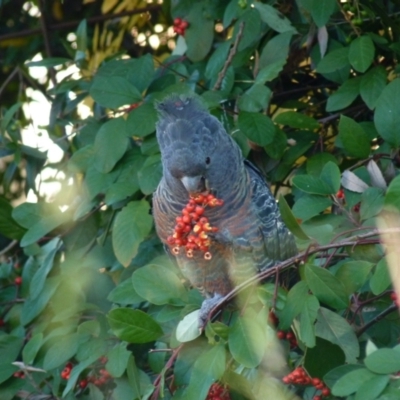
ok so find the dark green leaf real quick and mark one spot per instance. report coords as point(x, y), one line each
point(158, 285)
point(334, 328)
point(326, 287)
point(276, 51)
point(247, 342)
point(140, 71)
point(353, 275)
point(312, 184)
point(252, 24)
point(255, 99)
point(118, 358)
point(297, 120)
point(372, 388)
point(372, 201)
point(133, 326)
point(392, 199)
point(351, 382)
point(270, 72)
point(257, 127)
point(387, 117)
point(361, 53)
point(334, 61)
point(61, 351)
point(290, 220)
point(309, 206)
point(307, 319)
point(380, 280)
point(8, 227)
point(321, 10)
point(383, 361)
point(217, 60)
point(372, 85)
point(114, 91)
point(355, 141)
point(10, 346)
point(131, 226)
point(141, 121)
point(295, 303)
point(48, 62)
point(200, 34)
point(272, 17)
point(110, 144)
point(344, 96)
point(330, 174)
point(124, 294)
point(316, 163)
point(31, 348)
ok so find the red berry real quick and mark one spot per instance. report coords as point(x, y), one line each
point(186, 219)
point(340, 194)
point(83, 383)
point(281, 335)
point(184, 24)
point(2, 323)
point(199, 210)
point(317, 397)
point(18, 280)
point(286, 379)
point(393, 296)
point(320, 386)
point(289, 336)
point(177, 21)
point(325, 392)
point(315, 381)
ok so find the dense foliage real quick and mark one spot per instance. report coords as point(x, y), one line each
point(91, 307)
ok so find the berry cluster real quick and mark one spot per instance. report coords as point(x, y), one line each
point(65, 373)
point(19, 374)
point(299, 377)
point(192, 227)
point(218, 392)
point(98, 380)
point(289, 336)
point(180, 26)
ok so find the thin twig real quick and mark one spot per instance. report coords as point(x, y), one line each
point(8, 247)
point(351, 241)
point(168, 365)
point(231, 54)
point(9, 78)
point(373, 321)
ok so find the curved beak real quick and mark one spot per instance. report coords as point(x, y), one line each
point(194, 184)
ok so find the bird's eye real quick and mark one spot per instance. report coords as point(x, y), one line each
point(208, 160)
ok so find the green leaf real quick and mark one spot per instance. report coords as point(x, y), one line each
point(140, 71)
point(188, 328)
point(351, 382)
point(8, 115)
point(334, 61)
point(43, 227)
point(217, 59)
point(61, 351)
point(8, 227)
point(200, 34)
point(372, 201)
point(334, 328)
point(32, 308)
point(326, 287)
point(392, 199)
point(110, 145)
point(124, 294)
point(247, 341)
point(321, 11)
point(295, 303)
point(133, 326)
point(272, 17)
point(270, 72)
point(312, 184)
point(383, 361)
point(316, 163)
point(38, 279)
point(114, 91)
point(252, 24)
point(255, 99)
point(372, 84)
point(10, 346)
point(276, 51)
point(132, 224)
point(141, 121)
point(257, 127)
point(372, 388)
point(290, 220)
point(150, 174)
point(159, 285)
point(361, 53)
point(355, 141)
point(277, 148)
point(353, 274)
point(387, 117)
point(297, 120)
point(330, 174)
point(31, 349)
point(381, 279)
point(309, 206)
point(307, 319)
point(118, 358)
point(48, 62)
point(344, 96)
point(208, 368)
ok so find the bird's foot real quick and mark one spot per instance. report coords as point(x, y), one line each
point(207, 306)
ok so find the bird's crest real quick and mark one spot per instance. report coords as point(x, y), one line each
point(180, 107)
